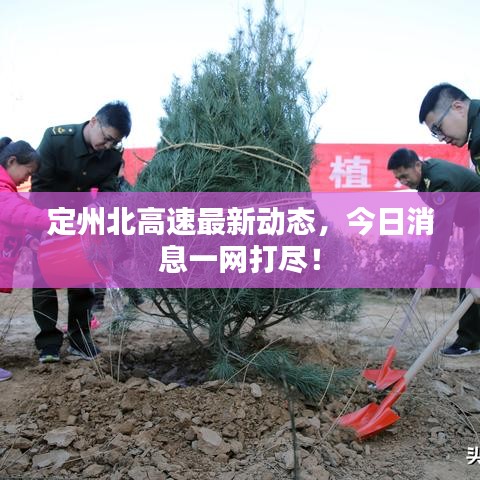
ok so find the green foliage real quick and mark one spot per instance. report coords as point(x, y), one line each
point(254, 96)
point(225, 313)
point(223, 369)
point(281, 366)
point(311, 380)
point(242, 124)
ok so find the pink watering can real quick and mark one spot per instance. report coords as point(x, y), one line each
point(74, 261)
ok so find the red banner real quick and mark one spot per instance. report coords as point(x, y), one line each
point(344, 167)
point(135, 160)
point(339, 167)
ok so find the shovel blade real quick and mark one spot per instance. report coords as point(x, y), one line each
point(369, 420)
point(383, 378)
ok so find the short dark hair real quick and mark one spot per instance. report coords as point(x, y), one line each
point(403, 157)
point(116, 114)
point(21, 150)
point(435, 94)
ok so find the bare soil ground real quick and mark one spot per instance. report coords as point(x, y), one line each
point(151, 413)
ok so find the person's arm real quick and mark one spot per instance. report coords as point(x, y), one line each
point(442, 228)
point(19, 212)
point(32, 242)
point(443, 198)
point(444, 202)
point(110, 182)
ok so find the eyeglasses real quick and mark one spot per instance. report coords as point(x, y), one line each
point(108, 138)
point(436, 128)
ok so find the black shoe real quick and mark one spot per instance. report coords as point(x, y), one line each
point(49, 354)
point(85, 349)
point(456, 350)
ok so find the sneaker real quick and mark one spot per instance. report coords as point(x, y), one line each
point(455, 350)
point(4, 375)
point(86, 350)
point(50, 354)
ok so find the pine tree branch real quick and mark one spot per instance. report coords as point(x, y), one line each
point(243, 150)
point(264, 326)
point(173, 316)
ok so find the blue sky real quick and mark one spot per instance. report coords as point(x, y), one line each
point(61, 60)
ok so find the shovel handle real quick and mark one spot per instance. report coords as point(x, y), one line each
point(438, 338)
point(391, 353)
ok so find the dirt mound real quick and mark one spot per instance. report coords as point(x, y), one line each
point(76, 420)
point(180, 363)
point(73, 420)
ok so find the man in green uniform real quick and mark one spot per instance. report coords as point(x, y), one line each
point(440, 176)
point(76, 158)
point(454, 118)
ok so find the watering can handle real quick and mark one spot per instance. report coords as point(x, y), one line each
point(438, 338)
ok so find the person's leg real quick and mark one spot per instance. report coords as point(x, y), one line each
point(45, 312)
point(80, 303)
point(468, 333)
point(469, 325)
point(99, 299)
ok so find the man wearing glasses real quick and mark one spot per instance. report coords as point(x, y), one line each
point(454, 118)
point(76, 158)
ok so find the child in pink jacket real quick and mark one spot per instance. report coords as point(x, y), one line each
point(18, 160)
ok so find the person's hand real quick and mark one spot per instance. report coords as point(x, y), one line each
point(34, 244)
point(424, 283)
point(473, 284)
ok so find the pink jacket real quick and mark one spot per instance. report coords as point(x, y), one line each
point(16, 215)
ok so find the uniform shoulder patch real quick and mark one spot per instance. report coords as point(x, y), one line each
point(63, 130)
point(438, 197)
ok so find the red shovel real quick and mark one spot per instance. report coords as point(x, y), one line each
point(386, 376)
point(373, 418)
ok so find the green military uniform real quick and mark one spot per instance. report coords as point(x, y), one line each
point(441, 176)
point(473, 128)
point(67, 165)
